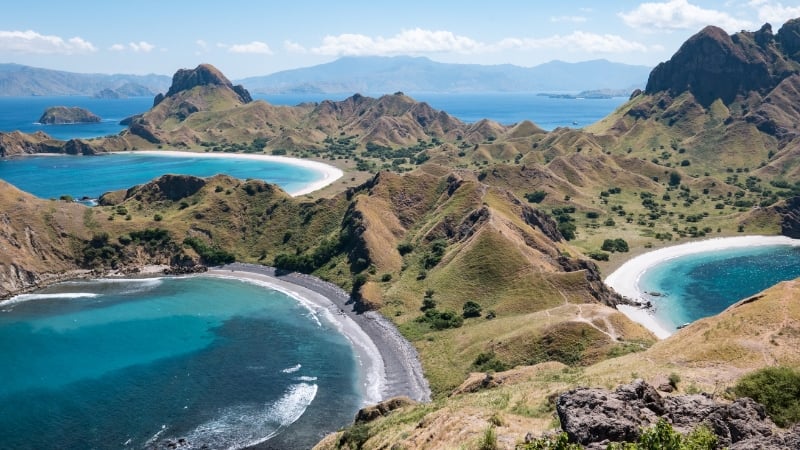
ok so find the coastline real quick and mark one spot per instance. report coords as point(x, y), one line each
point(625, 280)
point(329, 173)
point(389, 364)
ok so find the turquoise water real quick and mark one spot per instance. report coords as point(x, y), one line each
point(702, 285)
point(54, 176)
point(219, 362)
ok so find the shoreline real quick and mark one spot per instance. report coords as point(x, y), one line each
point(389, 364)
point(329, 173)
point(625, 279)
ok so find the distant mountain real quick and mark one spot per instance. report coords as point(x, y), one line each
point(19, 80)
point(417, 74)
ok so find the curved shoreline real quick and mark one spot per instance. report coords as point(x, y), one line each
point(329, 173)
point(390, 365)
point(625, 280)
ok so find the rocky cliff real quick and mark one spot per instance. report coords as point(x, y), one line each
point(714, 65)
point(56, 115)
point(202, 75)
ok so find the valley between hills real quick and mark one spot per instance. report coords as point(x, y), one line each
point(433, 213)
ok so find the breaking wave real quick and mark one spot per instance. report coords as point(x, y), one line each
point(247, 425)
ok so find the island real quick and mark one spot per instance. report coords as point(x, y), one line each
point(59, 115)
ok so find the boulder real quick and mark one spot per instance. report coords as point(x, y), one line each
point(370, 413)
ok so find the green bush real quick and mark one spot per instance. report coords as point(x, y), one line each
point(615, 245)
point(211, 255)
point(598, 256)
point(536, 196)
point(472, 309)
point(440, 320)
point(778, 389)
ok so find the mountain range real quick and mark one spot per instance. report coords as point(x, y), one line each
point(19, 80)
point(349, 75)
point(385, 75)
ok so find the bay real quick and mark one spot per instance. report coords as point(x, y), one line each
point(130, 363)
point(54, 176)
point(700, 285)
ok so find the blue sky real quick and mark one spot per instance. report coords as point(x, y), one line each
point(257, 38)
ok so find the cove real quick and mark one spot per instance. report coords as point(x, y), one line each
point(133, 363)
point(690, 287)
point(55, 175)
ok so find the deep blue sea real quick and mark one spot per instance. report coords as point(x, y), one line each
point(127, 363)
point(22, 113)
point(79, 177)
point(506, 108)
point(704, 284)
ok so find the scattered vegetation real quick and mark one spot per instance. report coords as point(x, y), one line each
point(778, 389)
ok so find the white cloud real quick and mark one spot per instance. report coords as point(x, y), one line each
point(774, 12)
point(253, 47)
point(678, 15)
point(201, 43)
point(33, 42)
point(117, 48)
point(573, 19)
point(406, 42)
point(293, 47)
point(141, 46)
point(577, 41)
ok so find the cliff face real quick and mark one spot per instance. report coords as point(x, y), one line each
point(202, 75)
point(714, 65)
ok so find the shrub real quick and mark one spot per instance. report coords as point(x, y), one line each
point(158, 217)
point(778, 389)
point(615, 245)
point(489, 439)
point(536, 196)
point(592, 215)
point(405, 248)
point(440, 320)
point(211, 255)
point(472, 309)
point(598, 256)
point(386, 277)
point(488, 362)
point(674, 179)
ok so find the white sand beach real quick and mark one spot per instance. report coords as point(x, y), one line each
point(389, 363)
point(329, 173)
point(625, 280)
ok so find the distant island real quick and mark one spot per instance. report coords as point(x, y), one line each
point(59, 115)
point(592, 95)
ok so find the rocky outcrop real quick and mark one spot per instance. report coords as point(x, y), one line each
point(167, 187)
point(714, 65)
point(17, 143)
point(64, 115)
point(382, 409)
point(790, 217)
point(202, 75)
point(594, 417)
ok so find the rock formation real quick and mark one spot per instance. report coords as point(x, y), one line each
point(594, 417)
point(203, 75)
point(64, 115)
point(713, 64)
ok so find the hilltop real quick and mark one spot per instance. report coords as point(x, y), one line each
point(483, 243)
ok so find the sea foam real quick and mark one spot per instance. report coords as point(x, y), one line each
point(247, 425)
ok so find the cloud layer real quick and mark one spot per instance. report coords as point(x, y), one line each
point(33, 42)
point(679, 15)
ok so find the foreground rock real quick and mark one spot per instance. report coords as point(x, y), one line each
point(57, 115)
point(595, 417)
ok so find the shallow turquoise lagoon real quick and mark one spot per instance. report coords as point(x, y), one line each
point(131, 363)
point(704, 284)
point(80, 176)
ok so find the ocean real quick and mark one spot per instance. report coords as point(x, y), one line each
point(22, 113)
point(704, 284)
point(131, 363)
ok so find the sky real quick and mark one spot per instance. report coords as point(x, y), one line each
point(255, 38)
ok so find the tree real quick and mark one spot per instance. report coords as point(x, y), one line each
point(472, 309)
point(674, 178)
point(536, 196)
